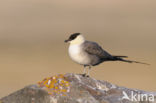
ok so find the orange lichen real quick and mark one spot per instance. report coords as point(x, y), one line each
point(55, 85)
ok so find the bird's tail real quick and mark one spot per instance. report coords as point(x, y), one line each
point(120, 58)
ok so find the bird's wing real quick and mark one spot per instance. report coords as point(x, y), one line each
point(94, 49)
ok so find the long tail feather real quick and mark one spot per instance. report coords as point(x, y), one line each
point(131, 61)
point(120, 58)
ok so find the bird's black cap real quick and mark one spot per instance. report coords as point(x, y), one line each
point(72, 37)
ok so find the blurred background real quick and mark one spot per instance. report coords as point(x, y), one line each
point(32, 35)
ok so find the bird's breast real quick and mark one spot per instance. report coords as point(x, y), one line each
point(78, 55)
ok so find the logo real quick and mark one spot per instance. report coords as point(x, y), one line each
point(138, 97)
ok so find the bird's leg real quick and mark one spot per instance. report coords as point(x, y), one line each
point(84, 71)
point(89, 68)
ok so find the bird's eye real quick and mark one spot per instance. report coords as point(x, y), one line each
point(72, 37)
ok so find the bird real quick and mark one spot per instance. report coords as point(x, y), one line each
point(89, 53)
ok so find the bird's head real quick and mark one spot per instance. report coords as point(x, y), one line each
point(75, 38)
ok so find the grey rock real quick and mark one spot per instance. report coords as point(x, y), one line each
point(81, 90)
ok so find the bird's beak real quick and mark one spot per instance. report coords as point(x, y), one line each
point(66, 41)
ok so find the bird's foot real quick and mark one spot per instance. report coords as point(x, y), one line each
point(84, 75)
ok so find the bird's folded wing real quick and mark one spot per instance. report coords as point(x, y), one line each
point(94, 49)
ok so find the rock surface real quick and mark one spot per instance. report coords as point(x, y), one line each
point(73, 88)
